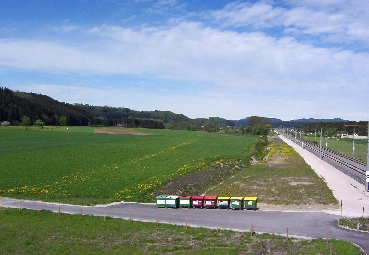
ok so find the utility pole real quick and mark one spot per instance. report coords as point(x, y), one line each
point(353, 144)
point(320, 150)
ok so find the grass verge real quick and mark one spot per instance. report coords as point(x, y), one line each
point(32, 232)
point(355, 223)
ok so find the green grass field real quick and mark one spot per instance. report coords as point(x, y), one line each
point(345, 146)
point(30, 232)
point(75, 165)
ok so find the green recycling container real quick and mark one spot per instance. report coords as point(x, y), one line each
point(160, 201)
point(172, 201)
point(250, 202)
point(236, 203)
point(185, 201)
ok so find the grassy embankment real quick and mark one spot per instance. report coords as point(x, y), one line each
point(283, 178)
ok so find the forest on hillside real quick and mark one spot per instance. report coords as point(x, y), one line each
point(21, 108)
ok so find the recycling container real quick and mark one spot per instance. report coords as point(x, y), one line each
point(172, 201)
point(185, 201)
point(223, 202)
point(160, 201)
point(236, 203)
point(211, 201)
point(197, 201)
point(250, 202)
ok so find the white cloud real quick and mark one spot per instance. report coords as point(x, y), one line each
point(189, 52)
point(330, 20)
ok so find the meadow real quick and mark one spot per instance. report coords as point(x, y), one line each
point(32, 232)
point(75, 165)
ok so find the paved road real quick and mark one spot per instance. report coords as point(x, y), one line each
point(299, 224)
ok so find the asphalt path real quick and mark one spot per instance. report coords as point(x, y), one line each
point(296, 224)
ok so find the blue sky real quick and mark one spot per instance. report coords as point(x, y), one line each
point(230, 59)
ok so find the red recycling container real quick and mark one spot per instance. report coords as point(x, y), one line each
point(197, 201)
point(211, 201)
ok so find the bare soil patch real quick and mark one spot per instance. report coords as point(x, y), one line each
point(119, 131)
point(196, 183)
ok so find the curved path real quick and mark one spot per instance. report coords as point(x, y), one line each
point(299, 224)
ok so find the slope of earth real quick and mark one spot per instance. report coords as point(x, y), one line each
point(282, 181)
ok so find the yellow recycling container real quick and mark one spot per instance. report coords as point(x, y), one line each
point(223, 202)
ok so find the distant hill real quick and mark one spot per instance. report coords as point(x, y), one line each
point(14, 105)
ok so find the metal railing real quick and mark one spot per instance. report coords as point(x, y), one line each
point(352, 167)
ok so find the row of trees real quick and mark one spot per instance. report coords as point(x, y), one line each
point(255, 125)
point(332, 129)
point(117, 113)
point(128, 123)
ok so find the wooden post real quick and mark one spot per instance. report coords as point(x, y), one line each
point(19, 206)
point(251, 229)
point(130, 216)
point(326, 237)
point(1, 205)
point(330, 249)
point(287, 234)
point(59, 210)
point(81, 212)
